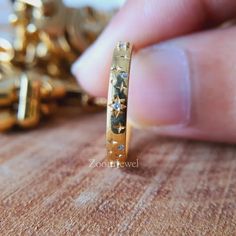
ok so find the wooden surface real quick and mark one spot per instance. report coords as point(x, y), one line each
point(48, 188)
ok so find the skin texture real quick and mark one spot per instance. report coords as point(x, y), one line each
point(183, 72)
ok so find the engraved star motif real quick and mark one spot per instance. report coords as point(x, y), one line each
point(112, 142)
point(125, 57)
point(120, 156)
point(114, 79)
point(119, 128)
point(117, 106)
point(120, 147)
point(122, 88)
point(115, 68)
point(110, 153)
point(121, 75)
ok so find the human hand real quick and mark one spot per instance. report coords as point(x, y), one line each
point(183, 74)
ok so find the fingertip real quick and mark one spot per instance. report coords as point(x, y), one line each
point(91, 73)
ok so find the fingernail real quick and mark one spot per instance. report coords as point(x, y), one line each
point(82, 69)
point(160, 87)
point(81, 62)
point(91, 69)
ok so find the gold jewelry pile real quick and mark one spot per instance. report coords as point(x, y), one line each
point(35, 68)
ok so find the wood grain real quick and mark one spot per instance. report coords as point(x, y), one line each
point(47, 187)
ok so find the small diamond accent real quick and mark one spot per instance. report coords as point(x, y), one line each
point(123, 45)
point(121, 147)
point(124, 75)
point(122, 87)
point(116, 106)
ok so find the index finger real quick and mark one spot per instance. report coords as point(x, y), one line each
point(144, 22)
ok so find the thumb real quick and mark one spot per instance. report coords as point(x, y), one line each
point(159, 87)
point(186, 87)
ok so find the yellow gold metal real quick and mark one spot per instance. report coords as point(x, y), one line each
point(7, 120)
point(35, 69)
point(48, 108)
point(8, 93)
point(29, 98)
point(117, 135)
point(6, 51)
point(52, 88)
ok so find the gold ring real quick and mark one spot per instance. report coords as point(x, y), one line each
point(117, 134)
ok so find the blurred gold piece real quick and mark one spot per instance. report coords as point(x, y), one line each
point(52, 88)
point(84, 25)
point(48, 109)
point(29, 101)
point(35, 77)
point(6, 51)
point(8, 93)
point(7, 120)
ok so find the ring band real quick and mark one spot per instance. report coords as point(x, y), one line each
point(117, 134)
